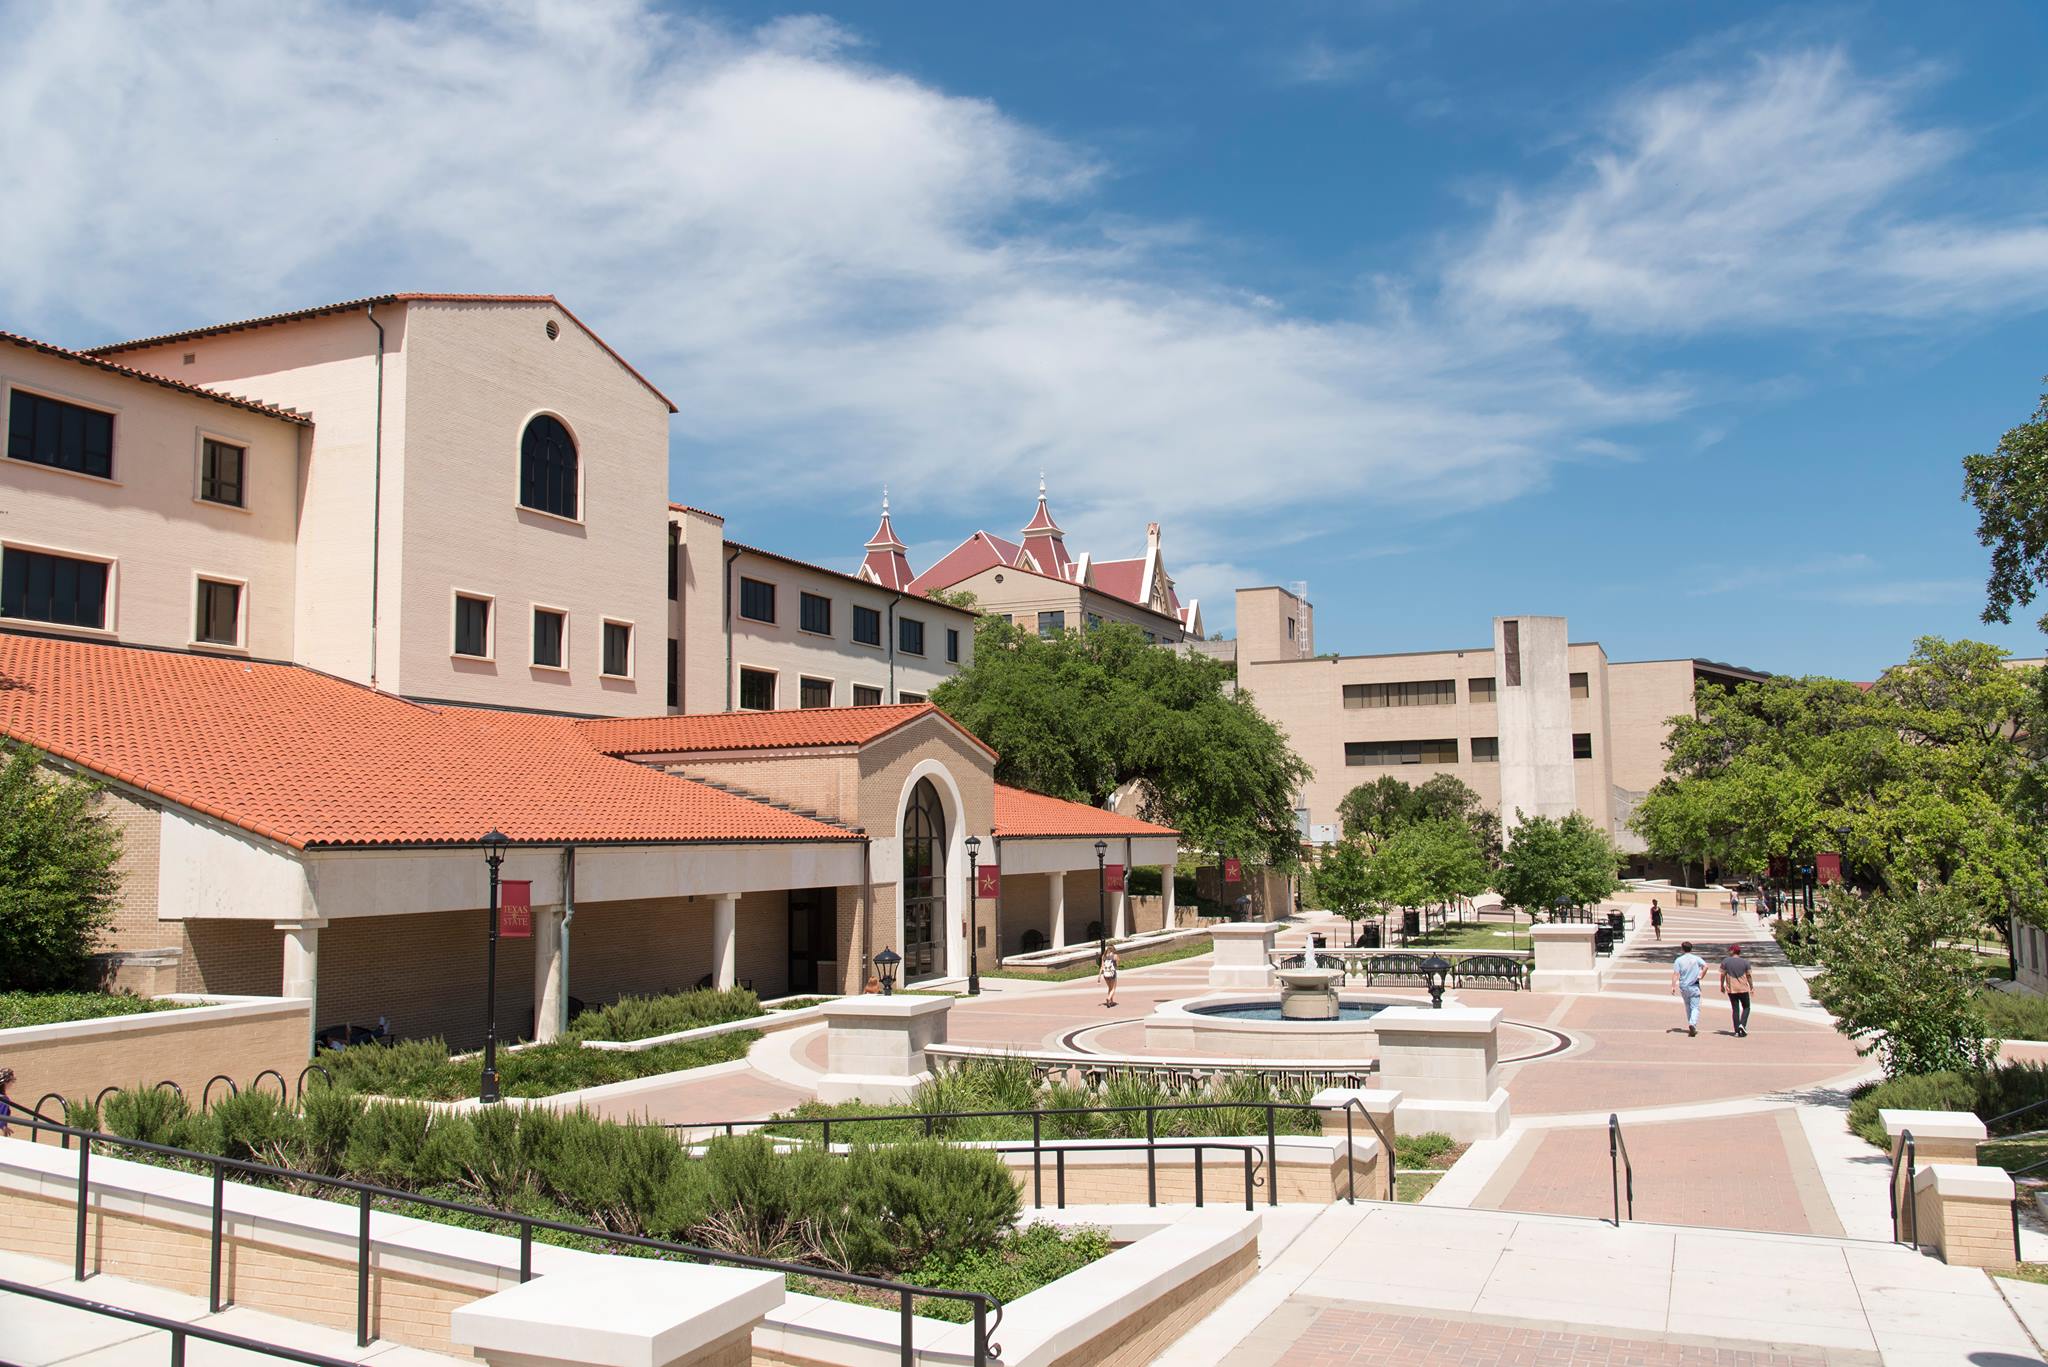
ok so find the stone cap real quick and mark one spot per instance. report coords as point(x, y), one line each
point(1932, 1124)
point(1450, 1020)
point(879, 1007)
point(632, 1312)
point(1245, 929)
point(1569, 930)
point(1964, 1182)
point(1381, 1101)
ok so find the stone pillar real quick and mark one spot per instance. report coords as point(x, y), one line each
point(1445, 1065)
point(550, 983)
point(1965, 1214)
point(725, 940)
point(1564, 959)
point(302, 968)
point(1378, 1102)
point(1244, 954)
point(1119, 904)
point(1938, 1136)
point(874, 1046)
point(1166, 895)
point(628, 1312)
point(1058, 902)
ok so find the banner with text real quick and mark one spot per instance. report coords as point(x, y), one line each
point(515, 909)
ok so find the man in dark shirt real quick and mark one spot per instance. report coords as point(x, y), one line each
point(1735, 984)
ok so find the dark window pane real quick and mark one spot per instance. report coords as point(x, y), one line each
point(815, 613)
point(1051, 623)
point(547, 637)
point(910, 697)
point(867, 626)
point(863, 696)
point(757, 600)
point(1486, 749)
point(1580, 686)
point(53, 588)
point(220, 473)
point(1582, 745)
point(220, 607)
point(1511, 651)
point(910, 636)
point(672, 671)
point(618, 649)
point(1482, 689)
point(472, 626)
point(547, 467)
point(953, 645)
point(816, 693)
point(757, 690)
point(48, 431)
point(1401, 752)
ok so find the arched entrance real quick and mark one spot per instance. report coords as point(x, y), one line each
point(924, 883)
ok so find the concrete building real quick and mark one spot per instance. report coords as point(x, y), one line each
point(1534, 723)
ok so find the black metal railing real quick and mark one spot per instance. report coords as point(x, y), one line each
point(1992, 1125)
point(1903, 1162)
point(179, 1331)
point(367, 1194)
point(1623, 1171)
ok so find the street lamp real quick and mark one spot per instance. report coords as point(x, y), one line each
point(1101, 900)
point(1436, 973)
point(973, 921)
point(885, 968)
point(494, 854)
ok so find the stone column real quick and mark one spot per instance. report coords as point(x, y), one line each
point(875, 1046)
point(1964, 1214)
point(1058, 902)
point(725, 940)
point(629, 1312)
point(550, 983)
point(1938, 1136)
point(1445, 1065)
point(1119, 921)
point(302, 968)
point(1244, 954)
point(1166, 895)
point(1564, 959)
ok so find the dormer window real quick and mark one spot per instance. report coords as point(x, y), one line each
point(547, 467)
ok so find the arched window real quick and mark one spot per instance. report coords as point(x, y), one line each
point(547, 467)
point(924, 881)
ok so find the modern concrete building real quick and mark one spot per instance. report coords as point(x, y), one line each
point(1534, 723)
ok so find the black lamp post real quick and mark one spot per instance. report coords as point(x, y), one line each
point(885, 969)
point(973, 916)
point(1101, 900)
point(1436, 972)
point(494, 854)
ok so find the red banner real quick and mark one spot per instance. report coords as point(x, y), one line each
point(1781, 867)
point(988, 881)
point(515, 909)
point(1827, 868)
point(1232, 871)
point(1113, 878)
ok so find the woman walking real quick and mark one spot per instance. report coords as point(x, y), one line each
point(1656, 919)
point(1108, 971)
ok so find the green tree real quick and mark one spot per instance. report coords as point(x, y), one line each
point(1373, 811)
point(1549, 858)
point(1082, 714)
point(1437, 862)
point(1344, 881)
point(1446, 797)
point(2010, 490)
point(57, 877)
point(1894, 984)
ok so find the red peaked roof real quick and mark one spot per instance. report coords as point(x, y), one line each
point(1019, 813)
point(313, 761)
point(982, 551)
point(804, 728)
point(97, 363)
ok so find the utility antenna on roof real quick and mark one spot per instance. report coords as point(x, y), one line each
point(1304, 636)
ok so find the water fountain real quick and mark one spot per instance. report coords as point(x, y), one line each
point(1310, 1019)
point(1309, 993)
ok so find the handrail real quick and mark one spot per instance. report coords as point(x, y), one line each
point(1623, 1171)
point(368, 1193)
point(2027, 1109)
point(179, 1330)
point(1904, 1149)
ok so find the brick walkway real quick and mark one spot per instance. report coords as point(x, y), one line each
point(1339, 1337)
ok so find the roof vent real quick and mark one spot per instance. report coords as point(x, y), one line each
point(554, 329)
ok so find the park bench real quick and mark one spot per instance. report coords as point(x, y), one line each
point(1377, 966)
point(1497, 970)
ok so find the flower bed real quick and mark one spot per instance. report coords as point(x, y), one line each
point(53, 1008)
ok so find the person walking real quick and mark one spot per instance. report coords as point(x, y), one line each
point(1686, 971)
point(1735, 986)
point(1656, 919)
point(1108, 971)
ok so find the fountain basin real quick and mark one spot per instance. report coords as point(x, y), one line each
point(1252, 1025)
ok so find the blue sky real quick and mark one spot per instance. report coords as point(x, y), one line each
point(1672, 319)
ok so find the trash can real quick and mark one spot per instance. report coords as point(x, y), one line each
point(1317, 940)
point(1369, 936)
point(1615, 922)
point(1411, 923)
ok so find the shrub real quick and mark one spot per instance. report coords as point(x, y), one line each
point(254, 1126)
point(54, 1008)
point(633, 1018)
point(1896, 983)
point(2015, 1015)
point(1989, 1094)
point(58, 883)
point(422, 1070)
point(1016, 1265)
point(1426, 1150)
point(156, 1115)
point(932, 1198)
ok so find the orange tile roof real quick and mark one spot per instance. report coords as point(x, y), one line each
point(1019, 813)
point(804, 728)
point(97, 363)
point(701, 512)
point(313, 761)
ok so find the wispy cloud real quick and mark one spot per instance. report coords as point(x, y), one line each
point(1852, 579)
point(1321, 62)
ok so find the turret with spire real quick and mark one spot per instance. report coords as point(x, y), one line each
point(1045, 546)
point(886, 563)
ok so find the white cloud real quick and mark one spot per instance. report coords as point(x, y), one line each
point(1788, 194)
point(1851, 578)
point(1321, 62)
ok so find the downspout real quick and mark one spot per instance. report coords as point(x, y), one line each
point(867, 911)
point(995, 843)
point(568, 915)
point(376, 490)
point(892, 651)
point(730, 556)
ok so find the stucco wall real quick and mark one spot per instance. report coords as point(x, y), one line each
point(699, 615)
point(148, 517)
point(1262, 617)
point(1012, 592)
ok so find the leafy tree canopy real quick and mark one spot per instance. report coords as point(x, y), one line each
point(1082, 713)
point(1375, 811)
point(2010, 490)
point(57, 877)
point(1551, 858)
point(1894, 984)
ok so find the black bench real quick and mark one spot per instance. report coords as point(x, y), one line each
point(1496, 970)
point(1394, 966)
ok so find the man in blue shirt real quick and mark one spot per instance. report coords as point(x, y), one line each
point(1686, 971)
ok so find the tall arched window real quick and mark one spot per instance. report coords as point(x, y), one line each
point(547, 467)
point(924, 881)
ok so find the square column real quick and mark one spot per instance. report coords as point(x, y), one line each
point(1058, 902)
point(1564, 958)
point(1244, 954)
point(301, 976)
point(550, 977)
point(1119, 922)
point(1938, 1136)
point(1166, 896)
point(875, 1046)
point(1445, 1065)
point(725, 940)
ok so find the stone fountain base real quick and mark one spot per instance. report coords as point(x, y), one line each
point(1192, 1028)
point(1310, 994)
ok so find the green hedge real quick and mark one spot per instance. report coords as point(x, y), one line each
point(421, 1070)
point(1988, 1094)
point(2015, 1015)
point(54, 1008)
point(631, 1018)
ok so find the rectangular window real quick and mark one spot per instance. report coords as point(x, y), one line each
point(867, 626)
point(1511, 651)
point(910, 697)
point(472, 626)
point(220, 614)
point(618, 650)
point(220, 472)
point(952, 645)
point(674, 562)
point(40, 587)
point(549, 629)
point(910, 635)
point(1481, 690)
point(1094, 620)
point(1290, 628)
point(1401, 752)
point(672, 675)
point(45, 431)
point(1582, 745)
point(814, 693)
point(814, 613)
point(757, 600)
point(1151, 639)
point(1486, 749)
point(1051, 624)
point(863, 696)
point(757, 690)
point(1580, 688)
point(1419, 693)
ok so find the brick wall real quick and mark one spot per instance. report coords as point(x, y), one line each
point(1302, 1180)
point(185, 1047)
point(241, 958)
point(1143, 1336)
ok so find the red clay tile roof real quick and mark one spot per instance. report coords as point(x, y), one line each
point(1019, 813)
point(83, 358)
point(701, 512)
point(350, 305)
point(804, 728)
point(313, 761)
